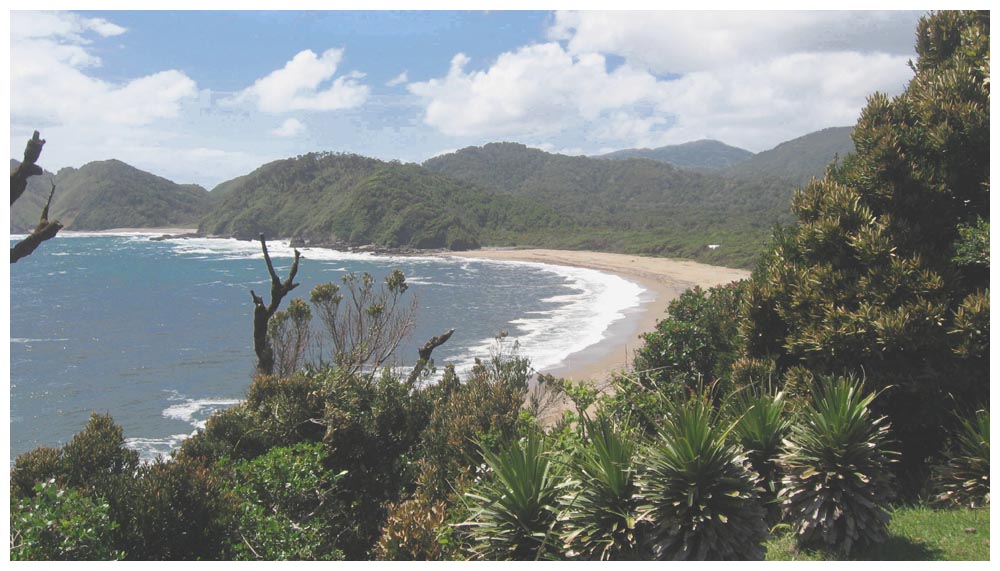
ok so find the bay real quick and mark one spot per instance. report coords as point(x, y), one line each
point(158, 333)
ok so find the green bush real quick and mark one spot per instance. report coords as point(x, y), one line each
point(173, 510)
point(762, 422)
point(59, 524)
point(484, 409)
point(601, 511)
point(287, 510)
point(32, 468)
point(965, 479)
point(516, 503)
point(699, 491)
point(836, 486)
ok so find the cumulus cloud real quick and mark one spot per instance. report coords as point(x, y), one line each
point(289, 128)
point(681, 42)
point(306, 83)
point(534, 90)
point(747, 79)
point(50, 59)
point(398, 80)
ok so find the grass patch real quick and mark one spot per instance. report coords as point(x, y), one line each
point(916, 533)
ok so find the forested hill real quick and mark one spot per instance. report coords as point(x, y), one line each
point(800, 159)
point(109, 194)
point(354, 200)
point(501, 194)
point(706, 154)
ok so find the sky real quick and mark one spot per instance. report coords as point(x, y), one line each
point(203, 97)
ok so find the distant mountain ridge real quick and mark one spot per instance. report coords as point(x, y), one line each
point(503, 194)
point(702, 154)
point(799, 159)
point(109, 194)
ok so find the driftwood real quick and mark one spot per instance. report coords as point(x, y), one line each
point(425, 355)
point(262, 313)
point(46, 229)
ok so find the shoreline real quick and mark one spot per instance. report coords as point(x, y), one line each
point(663, 280)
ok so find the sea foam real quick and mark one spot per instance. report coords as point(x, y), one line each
point(577, 320)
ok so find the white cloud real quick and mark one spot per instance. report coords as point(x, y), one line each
point(306, 83)
point(398, 80)
point(50, 84)
point(289, 128)
point(64, 25)
point(747, 79)
point(537, 89)
point(681, 42)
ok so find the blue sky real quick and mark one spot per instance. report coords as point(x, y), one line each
point(202, 97)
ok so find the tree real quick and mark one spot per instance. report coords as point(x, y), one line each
point(46, 229)
point(262, 313)
point(875, 277)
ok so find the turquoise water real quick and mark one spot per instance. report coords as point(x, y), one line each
point(158, 334)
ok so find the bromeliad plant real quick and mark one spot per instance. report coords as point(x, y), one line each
point(699, 490)
point(762, 423)
point(601, 514)
point(965, 479)
point(516, 503)
point(836, 486)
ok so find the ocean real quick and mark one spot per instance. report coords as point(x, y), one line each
point(159, 333)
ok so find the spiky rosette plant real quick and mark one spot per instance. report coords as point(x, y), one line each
point(699, 490)
point(837, 484)
point(516, 504)
point(601, 513)
point(762, 423)
point(965, 479)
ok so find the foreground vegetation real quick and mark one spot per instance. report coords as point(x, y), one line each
point(799, 414)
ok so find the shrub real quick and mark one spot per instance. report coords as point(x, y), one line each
point(484, 409)
point(516, 504)
point(965, 478)
point(286, 509)
point(57, 524)
point(836, 484)
point(175, 510)
point(761, 425)
point(602, 509)
point(412, 530)
point(32, 468)
point(98, 453)
point(699, 491)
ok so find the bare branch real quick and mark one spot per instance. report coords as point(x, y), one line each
point(45, 230)
point(27, 168)
point(425, 355)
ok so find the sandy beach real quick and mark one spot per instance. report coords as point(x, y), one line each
point(662, 278)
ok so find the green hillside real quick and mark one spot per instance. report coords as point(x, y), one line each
point(706, 154)
point(353, 200)
point(110, 194)
point(800, 159)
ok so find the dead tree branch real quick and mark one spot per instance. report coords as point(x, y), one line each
point(27, 168)
point(262, 313)
point(425, 355)
point(45, 230)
